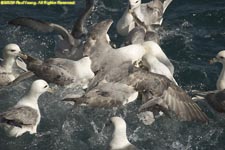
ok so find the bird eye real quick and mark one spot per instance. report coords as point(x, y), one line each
point(136, 2)
point(46, 86)
point(12, 50)
point(221, 57)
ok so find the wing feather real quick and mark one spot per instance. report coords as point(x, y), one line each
point(42, 26)
point(19, 116)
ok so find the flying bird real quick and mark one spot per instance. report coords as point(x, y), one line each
point(69, 44)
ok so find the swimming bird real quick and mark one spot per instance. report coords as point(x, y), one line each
point(142, 14)
point(216, 100)
point(25, 115)
point(220, 57)
point(155, 66)
point(61, 71)
point(69, 45)
point(107, 94)
point(101, 53)
point(7, 70)
point(119, 137)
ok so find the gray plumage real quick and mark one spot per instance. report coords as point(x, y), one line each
point(60, 71)
point(102, 54)
point(25, 115)
point(156, 90)
point(97, 45)
point(43, 27)
point(161, 91)
point(107, 95)
point(217, 100)
point(135, 36)
point(139, 35)
point(8, 69)
point(19, 116)
point(145, 15)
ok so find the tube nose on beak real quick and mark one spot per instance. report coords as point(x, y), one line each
point(22, 55)
point(50, 90)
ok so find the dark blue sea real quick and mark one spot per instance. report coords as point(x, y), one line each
point(193, 32)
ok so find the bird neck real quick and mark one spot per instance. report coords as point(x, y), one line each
point(119, 139)
point(8, 63)
point(34, 95)
point(221, 79)
point(30, 99)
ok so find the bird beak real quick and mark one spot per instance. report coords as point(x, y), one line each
point(22, 55)
point(50, 90)
point(212, 61)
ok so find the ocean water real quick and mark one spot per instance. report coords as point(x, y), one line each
point(193, 32)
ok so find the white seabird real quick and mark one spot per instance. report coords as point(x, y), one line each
point(119, 137)
point(147, 14)
point(220, 57)
point(216, 98)
point(7, 73)
point(157, 92)
point(25, 115)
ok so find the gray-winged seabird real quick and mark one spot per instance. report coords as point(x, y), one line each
point(107, 94)
point(25, 115)
point(7, 70)
point(220, 57)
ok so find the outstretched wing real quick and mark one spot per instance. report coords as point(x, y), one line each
point(79, 25)
point(161, 91)
point(43, 27)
